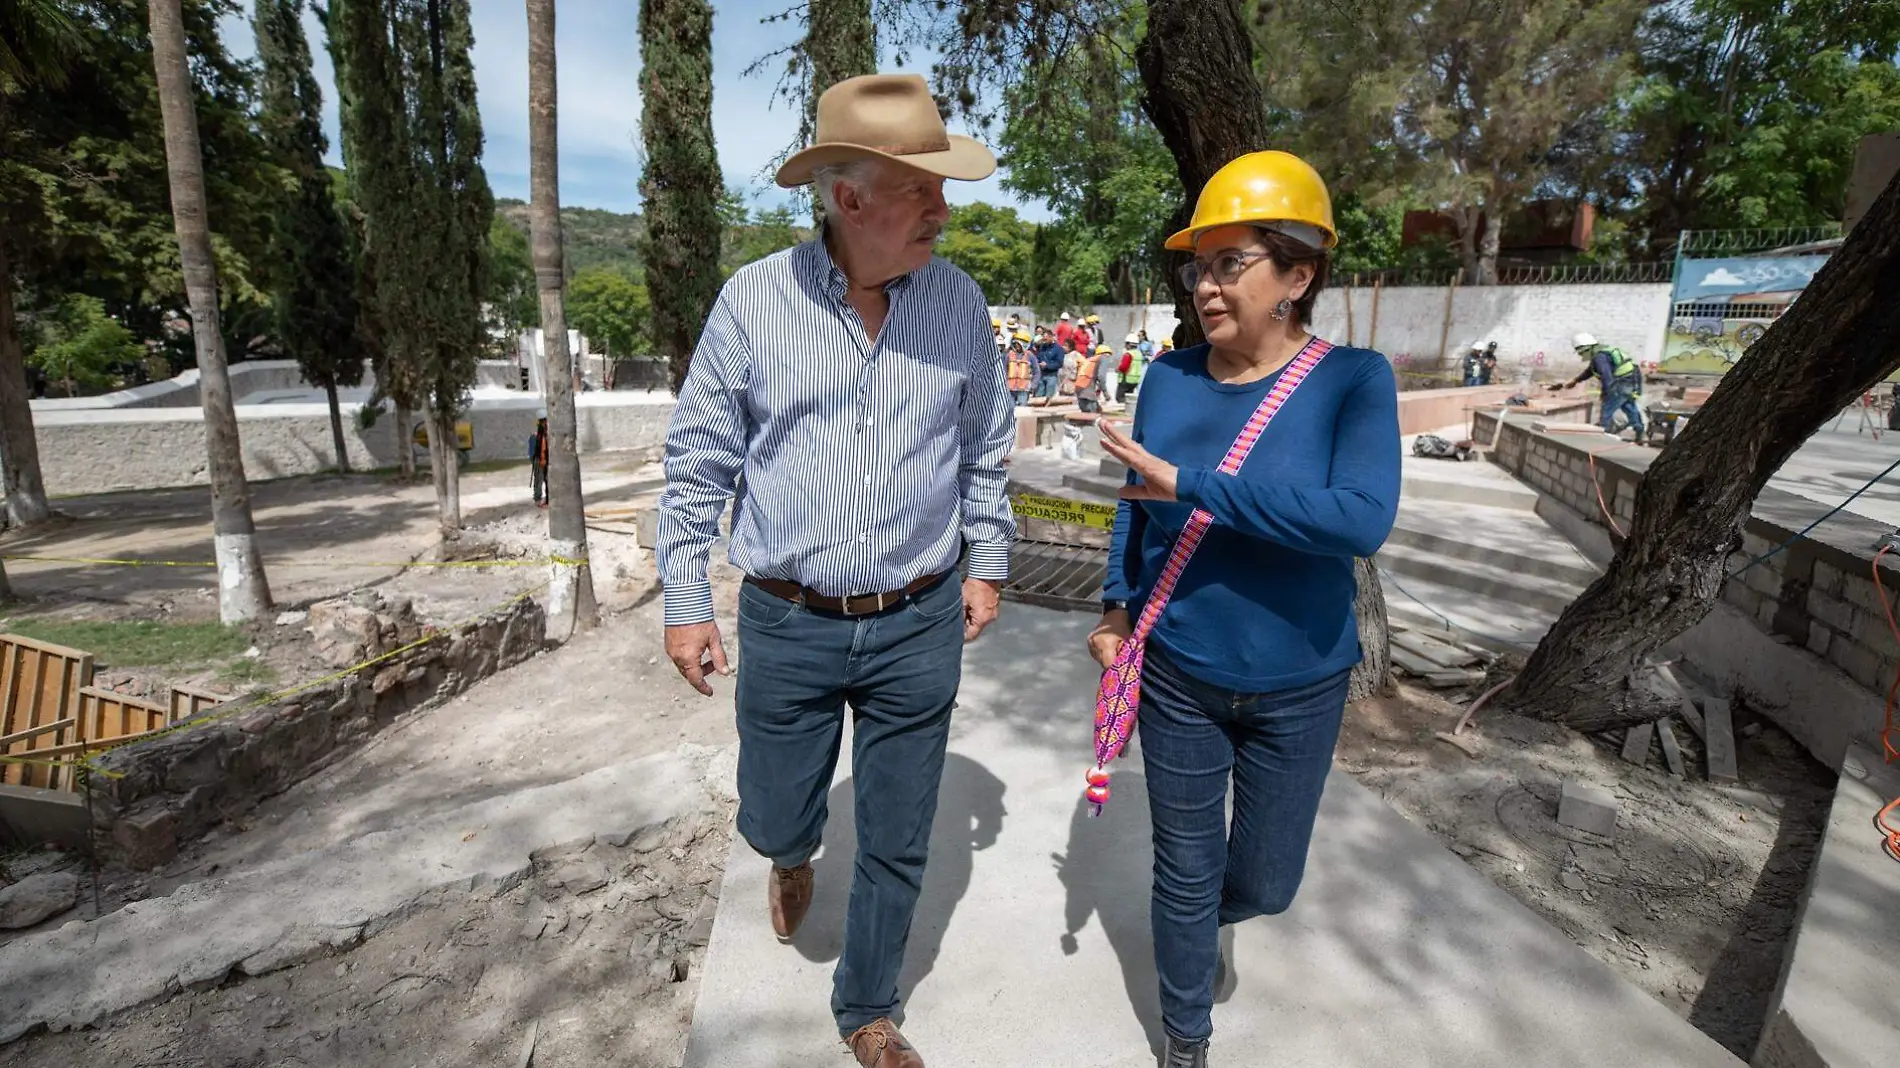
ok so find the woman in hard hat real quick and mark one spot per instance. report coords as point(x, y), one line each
point(1261, 464)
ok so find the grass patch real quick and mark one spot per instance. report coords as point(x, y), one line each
point(136, 642)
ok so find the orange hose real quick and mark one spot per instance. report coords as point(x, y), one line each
point(1598, 486)
point(1890, 832)
point(1479, 703)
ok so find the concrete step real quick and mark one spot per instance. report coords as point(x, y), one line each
point(1499, 582)
point(1500, 537)
point(1845, 946)
point(1502, 626)
point(1031, 946)
point(1113, 468)
point(1093, 488)
point(1431, 484)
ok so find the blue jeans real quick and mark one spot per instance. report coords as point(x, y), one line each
point(1621, 398)
point(1277, 748)
point(1019, 396)
point(899, 671)
point(1050, 380)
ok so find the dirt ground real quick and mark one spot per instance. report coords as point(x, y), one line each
point(1693, 898)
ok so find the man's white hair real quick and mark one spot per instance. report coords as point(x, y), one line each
point(859, 174)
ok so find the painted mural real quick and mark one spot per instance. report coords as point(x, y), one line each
point(1722, 306)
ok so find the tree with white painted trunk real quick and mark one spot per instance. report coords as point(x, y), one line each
point(243, 593)
point(571, 593)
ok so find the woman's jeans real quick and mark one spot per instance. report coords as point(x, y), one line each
point(1277, 747)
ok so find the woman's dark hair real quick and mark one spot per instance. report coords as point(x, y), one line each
point(1285, 253)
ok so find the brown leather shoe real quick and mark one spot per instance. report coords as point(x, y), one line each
point(879, 1045)
point(788, 893)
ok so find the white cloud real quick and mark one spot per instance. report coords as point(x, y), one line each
point(599, 67)
point(1722, 276)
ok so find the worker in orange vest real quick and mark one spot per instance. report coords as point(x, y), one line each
point(1088, 379)
point(538, 459)
point(1021, 371)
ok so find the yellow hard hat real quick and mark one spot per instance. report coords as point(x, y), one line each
point(1022, 335)
point(1094, 319)
point(994, 322)
point(1167, 342)
point(1104, 350)
point(1261, 187)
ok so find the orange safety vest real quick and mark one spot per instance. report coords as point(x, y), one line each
point(1019, 371)
point(1085, 376)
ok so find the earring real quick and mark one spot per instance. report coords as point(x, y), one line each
point(1282, 310)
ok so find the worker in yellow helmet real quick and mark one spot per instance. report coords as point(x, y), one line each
point(1261, 465)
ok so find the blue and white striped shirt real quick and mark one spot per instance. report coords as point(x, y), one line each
point(853, 467)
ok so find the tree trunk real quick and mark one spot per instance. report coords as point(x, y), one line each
point(19, 446)
point(1467, 221)
point(1196, 66)
point(1373, 674)
point(406, 443)
point(840, 43)
point(243, 593)
point(571, 603)
point(1489, 238)
point(336, 429)
point(443, 472)
point(1835, 343)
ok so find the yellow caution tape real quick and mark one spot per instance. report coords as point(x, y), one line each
point(217, 713)
point(1059, 510)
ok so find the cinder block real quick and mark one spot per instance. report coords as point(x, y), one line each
point(1818, 637)
point(1828, 579)
point(1834, 612)
point(1860, 663)
point(1587, 809)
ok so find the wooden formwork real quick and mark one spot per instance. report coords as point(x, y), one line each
point(39, 706)
point(50, 711)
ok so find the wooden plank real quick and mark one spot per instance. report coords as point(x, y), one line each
point(34, 732)
point(1636, 743)
point(1444, 654)
point(1686, 706)
point(1672, 752)
point(1446, 679)
point(1719, 739)
point(1412, 663)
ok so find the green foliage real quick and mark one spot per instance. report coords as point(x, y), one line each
point(993, 246)
point(412, 139)
point(682, 184)
point(753, 236)
point(84, 202)
point(611, 308)
point(81, 347)
point(590, 237)
point(312, 268)
point(513, 303)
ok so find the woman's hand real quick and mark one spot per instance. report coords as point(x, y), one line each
point(1106, 639)
point(1157, 475)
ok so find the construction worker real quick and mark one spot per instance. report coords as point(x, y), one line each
point(1128, 369)
point(1085, 334)
point(1091, 378)
point(1050, 355)
point(1488, 363)
point(1617, 375)
point(1065, 330)
point(1473, 356)
point(1147, 346)
point(1021, 372)
point(538, 459)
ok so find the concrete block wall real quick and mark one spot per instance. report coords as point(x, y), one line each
point(1812, 607)
point(247, 377)
point(1523, 320)
point(98, 451)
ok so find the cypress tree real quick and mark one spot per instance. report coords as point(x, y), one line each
point(682, 184)
point(313, 296)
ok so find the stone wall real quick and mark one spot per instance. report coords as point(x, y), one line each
point(178, 786)
point(247, 377)
point(97, 451)
point(1802, 632)
point(1524, 320)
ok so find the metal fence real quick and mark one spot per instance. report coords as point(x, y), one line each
point(1787, 239)
point(1544, 275)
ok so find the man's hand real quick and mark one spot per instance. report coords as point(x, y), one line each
point(1106, 639)
point(696, 651)
point(980, 598)
point(1157, 475)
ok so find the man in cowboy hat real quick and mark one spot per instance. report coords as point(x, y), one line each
point(846, 393)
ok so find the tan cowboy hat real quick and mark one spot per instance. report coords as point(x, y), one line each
point(888, 116)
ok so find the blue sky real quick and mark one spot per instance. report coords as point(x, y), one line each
point(599, 61)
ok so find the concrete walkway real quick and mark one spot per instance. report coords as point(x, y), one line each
point(1031, 945)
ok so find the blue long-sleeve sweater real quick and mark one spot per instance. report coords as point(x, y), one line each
point(1266, 602)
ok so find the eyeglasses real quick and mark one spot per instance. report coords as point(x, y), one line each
point(1225, 269)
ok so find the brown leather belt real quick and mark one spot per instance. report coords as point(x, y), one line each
point(864, 604)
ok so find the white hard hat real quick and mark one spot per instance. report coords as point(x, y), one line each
point(1472, 345)
point(1065, 315)
point(1131, 339)
point(542, 414)
point(1583, 340)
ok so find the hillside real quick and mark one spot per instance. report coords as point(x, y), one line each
point(592, 237)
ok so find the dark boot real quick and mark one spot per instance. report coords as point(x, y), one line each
point(1184, 1054)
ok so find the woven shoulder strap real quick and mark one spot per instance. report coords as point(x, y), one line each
point(1198, 522)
